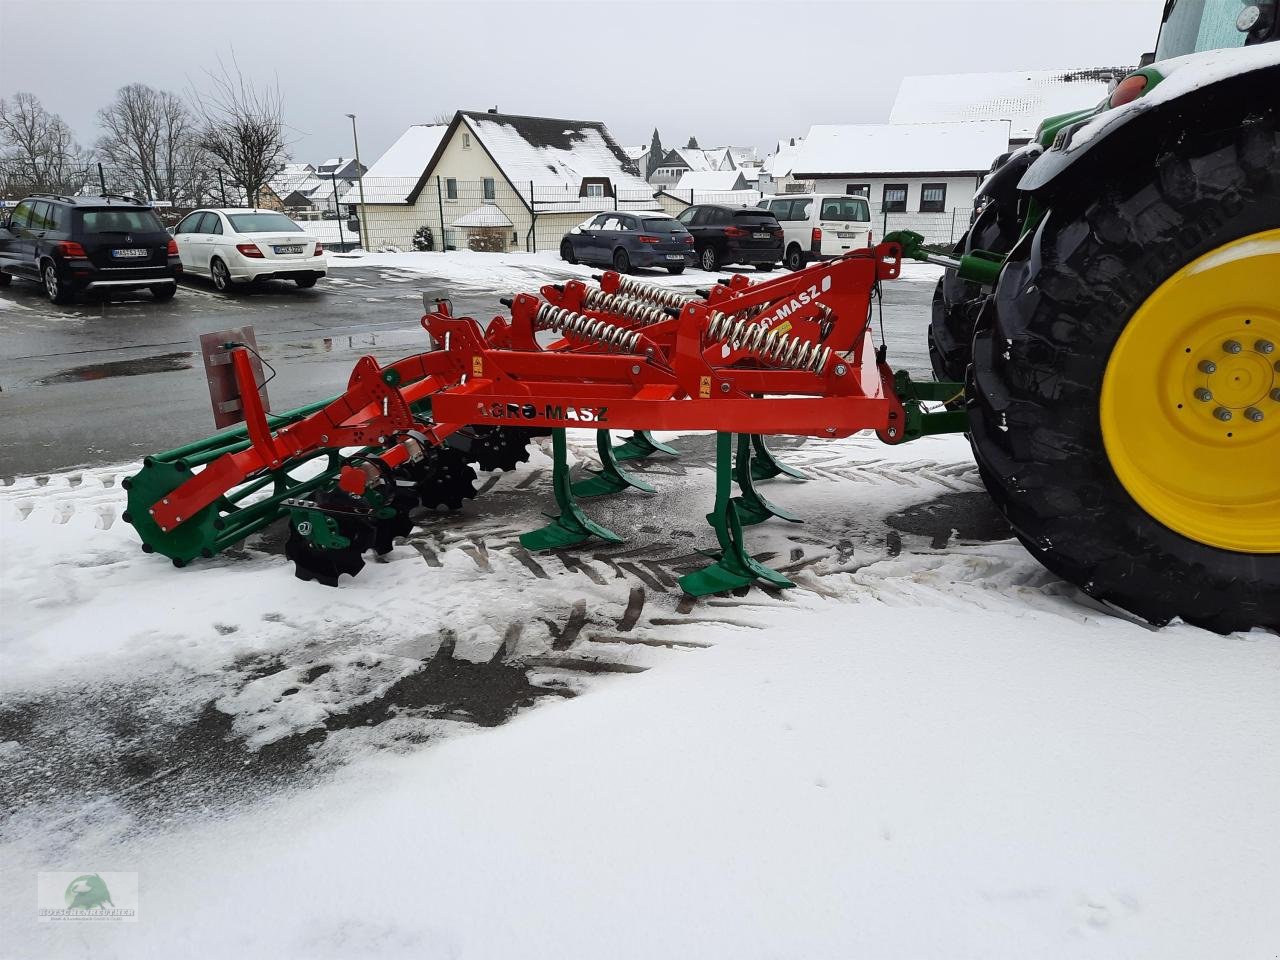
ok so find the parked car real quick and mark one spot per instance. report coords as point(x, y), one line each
point(628, 240)
point(74, 244)
point(821, 226)
point(733, 235)
point(239, 245)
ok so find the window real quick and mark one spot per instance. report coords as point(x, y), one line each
point(594, 189)
point(490, 188)
point(255, 223)
point(40, 216)
point(188, 224)
point(842, 208)
point(895, 198)
point(451, 188)
point(629, 224)
point(858, 189)
point(686, 216)
point(21, 215)
point(933, 198)
point(612, 222)
point(800, 209)
point(466, 141)
point(780, 209)
point(214, 225)
point(718, 216)
point(122, 221)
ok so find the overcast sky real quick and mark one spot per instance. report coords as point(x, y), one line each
point(728, 72)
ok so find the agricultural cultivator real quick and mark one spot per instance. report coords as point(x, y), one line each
point(1107, 333)
point(794, 355)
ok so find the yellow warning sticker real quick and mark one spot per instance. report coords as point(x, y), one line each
point(704, 388)
point(783, 327)
point(477, 365)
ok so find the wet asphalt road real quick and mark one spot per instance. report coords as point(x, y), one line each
point(108, 381)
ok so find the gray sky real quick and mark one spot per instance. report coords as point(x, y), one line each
point(727, 72)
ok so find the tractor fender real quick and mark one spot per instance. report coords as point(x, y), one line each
point(1216, 89)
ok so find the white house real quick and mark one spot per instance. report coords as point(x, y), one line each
point(542, 174)
point(775, 173)
point(929, 171)
point(676, 163)
point(1021, 99)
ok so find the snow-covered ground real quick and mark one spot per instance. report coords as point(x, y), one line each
point(509, 272)
point(931, 748)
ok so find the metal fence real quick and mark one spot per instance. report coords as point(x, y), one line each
point(445, 213)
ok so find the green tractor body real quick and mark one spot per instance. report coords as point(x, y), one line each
point(1114, 310)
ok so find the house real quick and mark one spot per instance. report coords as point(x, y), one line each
point(1022, 99)
point(714, 181)
point(927, 170)
point(676, 163)
point(544, 175)
point(341, 169)
point(775, 173)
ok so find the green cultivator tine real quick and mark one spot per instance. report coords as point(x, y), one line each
point(752, 507)
point(640, 445)
point(735, 567)
point(572, 527)
point(764, 466)
point(610, 478)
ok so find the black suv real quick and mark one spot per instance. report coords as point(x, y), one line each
point(733, 235)
point(73, 244)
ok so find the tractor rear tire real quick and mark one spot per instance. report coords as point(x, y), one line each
point(1051, 442)
point(957, 303)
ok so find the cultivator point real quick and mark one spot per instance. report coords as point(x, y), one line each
point(788, 356)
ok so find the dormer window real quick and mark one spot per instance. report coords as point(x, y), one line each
point(596, 187)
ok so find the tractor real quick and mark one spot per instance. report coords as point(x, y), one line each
point(1107, 334)
point(1114, 313)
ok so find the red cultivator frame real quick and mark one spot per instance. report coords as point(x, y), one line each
point(792, 356)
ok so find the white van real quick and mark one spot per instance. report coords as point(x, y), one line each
point(820, 226)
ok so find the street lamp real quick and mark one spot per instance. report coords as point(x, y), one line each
point(364, 219)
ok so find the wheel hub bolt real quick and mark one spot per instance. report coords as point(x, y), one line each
point(1208, 366)
point(1204, 395)
point(1223, 414)
point(1265, 346)
point(1253, 415)
point(1232, 346)
point(1275, 395)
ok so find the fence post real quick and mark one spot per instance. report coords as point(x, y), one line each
point(953, 223)
point(440, 206)
point(533, 216)
point(884, 230)
point(102, 180)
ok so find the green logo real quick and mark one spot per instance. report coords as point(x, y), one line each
point(88, 892)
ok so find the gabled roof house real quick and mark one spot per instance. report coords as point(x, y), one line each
point(541, 172)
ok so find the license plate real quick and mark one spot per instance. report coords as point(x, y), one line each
point(290, 248)
point(761, 235)
point(846, 236)
point(675, 256)
point(131, 254)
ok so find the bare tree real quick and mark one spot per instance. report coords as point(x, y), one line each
point(149, 137)
point(38, 149)
point(442, 119)
point(242, 128)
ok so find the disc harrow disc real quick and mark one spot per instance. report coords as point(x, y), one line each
point(311, 562)
point(499, 448)
point(387, 529)
point(442, 478)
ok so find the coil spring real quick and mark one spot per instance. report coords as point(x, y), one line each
point(564, 320)
point(654, 294)
point(786, 351)
point(638, 310)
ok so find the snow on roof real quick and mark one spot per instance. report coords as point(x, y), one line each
point(1025, 98)
point(862, 149)
point(392, 178)
point(778, 164)
point(485, 215)
point(744, 156)
point(634, 151)
point(547, 152)
point(711, 180)
point(294, 176)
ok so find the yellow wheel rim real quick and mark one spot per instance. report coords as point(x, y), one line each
point(1190, 403)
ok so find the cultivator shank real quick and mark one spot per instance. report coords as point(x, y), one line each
point(790, 356)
